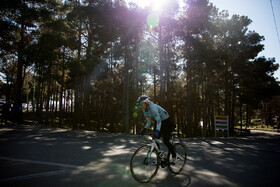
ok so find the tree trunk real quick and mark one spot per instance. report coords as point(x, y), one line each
point(19, 78)
point(161, 69)
point(126, 92)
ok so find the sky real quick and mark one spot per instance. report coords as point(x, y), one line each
point(261, 14)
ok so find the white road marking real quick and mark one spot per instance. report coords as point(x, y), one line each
point(43, 174)
point(42, 162)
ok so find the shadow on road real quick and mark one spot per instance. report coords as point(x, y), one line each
point(71, 157)
point(56, 157)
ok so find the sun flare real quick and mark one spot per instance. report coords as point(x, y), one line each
point(158, 5)
point(155, 5)
point(156, 8)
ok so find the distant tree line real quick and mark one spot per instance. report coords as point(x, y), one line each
point(84, 63)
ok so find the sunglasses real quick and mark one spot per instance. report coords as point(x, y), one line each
point(140, 104)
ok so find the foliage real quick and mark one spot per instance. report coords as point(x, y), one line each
point(86, 62)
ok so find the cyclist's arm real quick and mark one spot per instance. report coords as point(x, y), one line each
point(148, 124)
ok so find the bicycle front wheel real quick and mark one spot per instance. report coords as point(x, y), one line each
point(144, 164)
point(181, 153)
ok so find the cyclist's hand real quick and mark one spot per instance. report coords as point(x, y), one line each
point(142, 132)
point(155, 134)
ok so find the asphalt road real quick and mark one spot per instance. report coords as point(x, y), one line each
point(54, 157)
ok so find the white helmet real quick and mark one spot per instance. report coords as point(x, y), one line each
point(143, 99)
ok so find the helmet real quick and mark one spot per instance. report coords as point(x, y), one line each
point(143, 99)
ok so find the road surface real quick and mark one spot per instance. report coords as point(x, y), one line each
point(31, 156)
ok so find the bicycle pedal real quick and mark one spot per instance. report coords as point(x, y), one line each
point(163, 166)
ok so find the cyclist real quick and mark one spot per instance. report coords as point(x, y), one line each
point(164, 126)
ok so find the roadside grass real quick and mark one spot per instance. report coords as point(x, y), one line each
point(257, 124)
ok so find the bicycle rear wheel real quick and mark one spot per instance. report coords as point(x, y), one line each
point(144, 164)
point(181, 153)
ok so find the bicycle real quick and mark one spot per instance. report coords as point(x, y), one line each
point(145, 161)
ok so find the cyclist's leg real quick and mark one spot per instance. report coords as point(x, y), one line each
point(167, 128)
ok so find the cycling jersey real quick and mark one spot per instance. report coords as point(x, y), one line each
point(156, 112)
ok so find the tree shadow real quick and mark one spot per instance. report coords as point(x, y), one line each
point(103, 159)
point(226, 160)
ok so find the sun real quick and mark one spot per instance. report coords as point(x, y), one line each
point(158, 5)
point(155, 5)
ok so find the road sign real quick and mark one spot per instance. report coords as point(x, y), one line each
point(221, 123)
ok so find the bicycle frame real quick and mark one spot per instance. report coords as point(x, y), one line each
point(154, 144)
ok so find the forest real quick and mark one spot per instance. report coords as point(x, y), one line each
point(82, 64)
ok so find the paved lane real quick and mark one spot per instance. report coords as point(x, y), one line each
point(53, 157)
